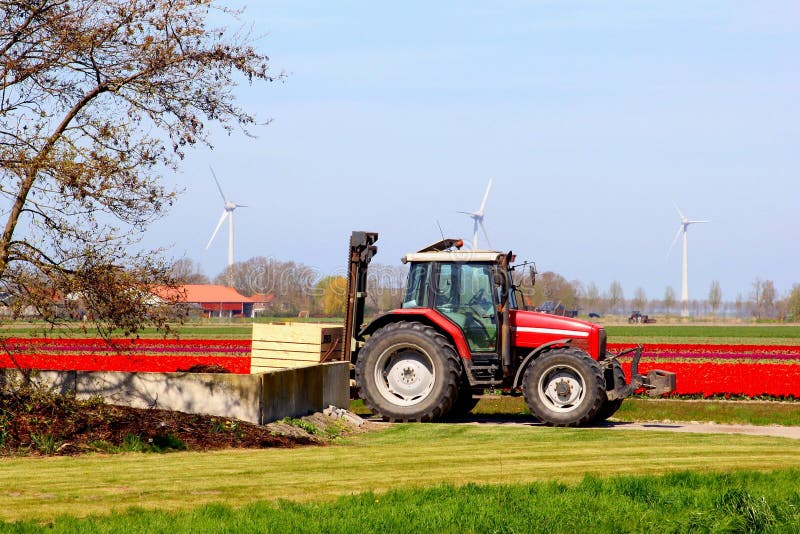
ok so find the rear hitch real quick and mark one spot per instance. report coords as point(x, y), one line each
point(657, 382)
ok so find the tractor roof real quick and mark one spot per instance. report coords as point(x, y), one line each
point(454, 256)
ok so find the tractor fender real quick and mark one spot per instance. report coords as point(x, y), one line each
point(534, 354)
point(427, 317)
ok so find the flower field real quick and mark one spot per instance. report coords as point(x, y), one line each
point(708, 370)
point(702, 369)
point(128, 355)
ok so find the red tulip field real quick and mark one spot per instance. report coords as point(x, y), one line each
point(129, 355)
point(705, 369)
point(710, 370)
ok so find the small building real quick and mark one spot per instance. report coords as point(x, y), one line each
point(261, 303)
point(213, 300)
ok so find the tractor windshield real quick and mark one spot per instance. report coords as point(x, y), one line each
point(417, 286)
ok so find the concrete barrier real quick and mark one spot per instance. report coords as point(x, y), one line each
point(259, 398)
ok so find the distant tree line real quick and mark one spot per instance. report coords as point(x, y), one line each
point(299, 288)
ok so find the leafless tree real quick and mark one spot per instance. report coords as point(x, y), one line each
point(639, 300)
point(95, 97)
point(714, 296)
point(762, 298)
point(616, 296)
point(669, 299)
point(188, 271)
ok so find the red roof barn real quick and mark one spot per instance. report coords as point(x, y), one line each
point(214, 300)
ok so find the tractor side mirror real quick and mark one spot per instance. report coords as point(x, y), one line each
point(533, 272)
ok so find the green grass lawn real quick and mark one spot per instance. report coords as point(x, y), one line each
point(399, 458)
point(676, 502)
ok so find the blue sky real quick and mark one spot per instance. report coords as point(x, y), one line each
point(591, 117)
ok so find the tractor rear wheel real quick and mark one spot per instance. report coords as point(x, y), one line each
point(407, 371)
point(615, 378)
point(564, 387)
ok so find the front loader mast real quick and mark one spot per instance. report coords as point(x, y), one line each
point(362, 250)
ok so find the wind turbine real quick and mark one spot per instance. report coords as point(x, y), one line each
point(685, 278)
point(477, 219)
point(227, 211)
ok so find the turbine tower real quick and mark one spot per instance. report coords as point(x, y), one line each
point(685, 273)
point(227, 211)
point(477, 220)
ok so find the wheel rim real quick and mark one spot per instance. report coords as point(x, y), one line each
point(562, 388)
point(405, 375)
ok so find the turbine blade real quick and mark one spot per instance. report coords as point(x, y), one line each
point(488, 243)
point(677, 235)
point(475, 234)
point(218, 186)
point(697, 222)
point(219, 224)
point(680, 213)
point(485, 196)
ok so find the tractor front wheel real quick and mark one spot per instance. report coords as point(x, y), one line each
point(564, 387)
point(407, 371)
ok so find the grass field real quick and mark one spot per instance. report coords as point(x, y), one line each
point(725, 334)
point(677, 502)
point(241, 329)
point(401, 457)
point(783, 413)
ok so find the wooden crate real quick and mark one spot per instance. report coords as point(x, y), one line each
point(290, 345)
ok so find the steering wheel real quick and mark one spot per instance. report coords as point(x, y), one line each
point(478, 299)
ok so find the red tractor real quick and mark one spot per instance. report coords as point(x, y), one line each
point(461, 329)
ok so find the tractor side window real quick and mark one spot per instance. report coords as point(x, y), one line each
point(464, 294)
point(417, 286)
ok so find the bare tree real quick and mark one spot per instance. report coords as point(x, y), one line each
point(592, 297)
point(714, 296)
point(188, 271)
point(616, 297)
point(639, 299)
point(669, 299)
point(95, 97)
point(793, 303)
point(554, 287)
point(762, 298)
point(768, 296)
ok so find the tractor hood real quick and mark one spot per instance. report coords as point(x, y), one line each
point(532, 329)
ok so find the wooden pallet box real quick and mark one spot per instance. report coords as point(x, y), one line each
point(290, 345)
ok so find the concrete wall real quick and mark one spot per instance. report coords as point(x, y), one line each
point(258, 398)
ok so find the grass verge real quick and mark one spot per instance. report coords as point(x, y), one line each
point(731, 412)
point(676, 502)
point(705, 334)
point(402, 457)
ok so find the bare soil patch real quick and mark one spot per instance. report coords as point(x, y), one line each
point(36, 422)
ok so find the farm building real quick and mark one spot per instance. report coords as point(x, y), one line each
point(220, 301)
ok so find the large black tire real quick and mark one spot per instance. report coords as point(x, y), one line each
point(564, 387)
point(407, 371)
point(615, 377)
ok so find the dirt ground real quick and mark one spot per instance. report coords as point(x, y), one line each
point(792, 432)
point(36, 423)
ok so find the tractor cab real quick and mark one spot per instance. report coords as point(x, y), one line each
point(461, 286)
